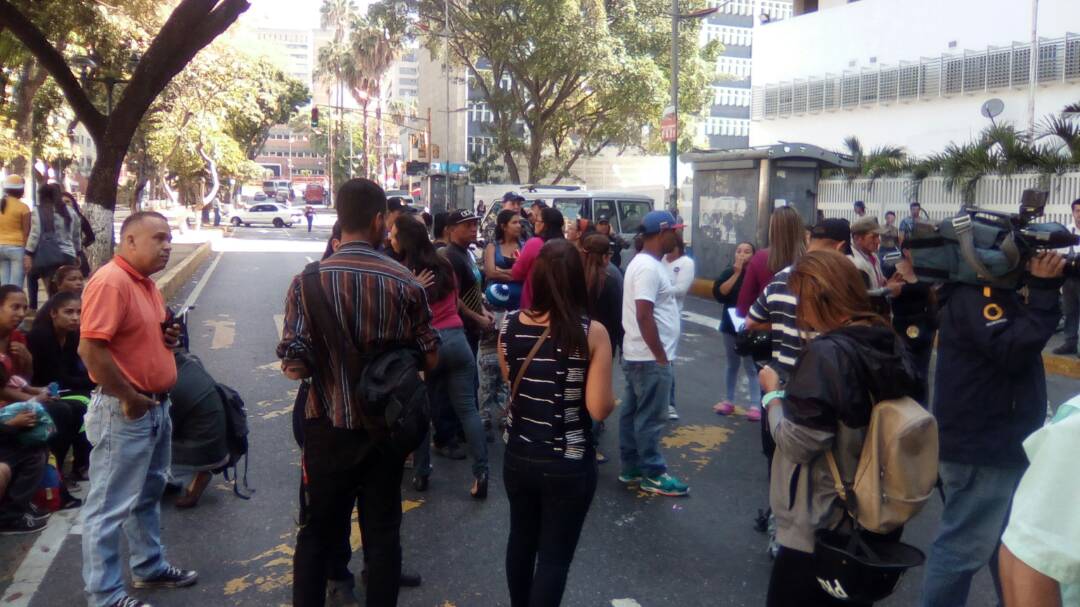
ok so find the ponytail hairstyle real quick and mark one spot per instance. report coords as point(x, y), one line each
point(556, 277)
point(595, 250)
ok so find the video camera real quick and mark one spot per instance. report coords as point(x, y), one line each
point(988, 248)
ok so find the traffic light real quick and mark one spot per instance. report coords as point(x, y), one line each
point(314, 117)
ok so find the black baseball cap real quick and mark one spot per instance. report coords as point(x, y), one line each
point(860, 204)
point(602, 219)
point(513, 196)
point(539, 203)
point(395, 203)
point(460, 216)
point(833, 229)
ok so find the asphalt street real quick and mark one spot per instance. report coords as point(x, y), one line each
point(635, 550)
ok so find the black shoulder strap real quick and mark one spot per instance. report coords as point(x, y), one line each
point(330, 336)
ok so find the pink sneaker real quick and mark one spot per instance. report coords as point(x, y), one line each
point(724, 408)
point(753, 414)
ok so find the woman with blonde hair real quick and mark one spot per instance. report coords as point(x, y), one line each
point(855, 360)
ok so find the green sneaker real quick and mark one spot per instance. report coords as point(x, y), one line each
point(665, 484)
point(630, 476)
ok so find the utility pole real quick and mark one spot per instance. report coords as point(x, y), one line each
point(449, 124)
point(674, 149)
point(1033, 78)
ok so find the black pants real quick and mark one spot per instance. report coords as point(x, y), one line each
point(68, 417)
point(27, 465)
point(342, 473)
point(45, 274)
point(548, 503)
point(793, 583)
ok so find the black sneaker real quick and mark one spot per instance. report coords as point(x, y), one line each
point(172, 577)
point(454, 451)
point(1065, 349)
point(21, 525)
point(38, 512)
point(127, 601)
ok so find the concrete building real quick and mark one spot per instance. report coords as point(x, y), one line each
point(908, 72)
point(294, 50)
point(726, 124)
point(450, 128)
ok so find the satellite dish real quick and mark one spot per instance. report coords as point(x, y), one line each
point(993, 108)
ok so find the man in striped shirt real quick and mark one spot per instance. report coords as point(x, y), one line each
point(379, 304)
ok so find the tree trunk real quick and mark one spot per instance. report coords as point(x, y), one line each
point(101, 198)
point(511, 167)
point(536, 155)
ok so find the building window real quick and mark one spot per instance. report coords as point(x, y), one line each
point(737, 67)
point(479, 112)
point(727, 127)
point(723, 95)
point(728, 34)
point(481, 146)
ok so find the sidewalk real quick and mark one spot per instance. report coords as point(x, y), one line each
point(1060, 364)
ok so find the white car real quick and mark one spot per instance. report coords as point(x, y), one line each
point(267, 212)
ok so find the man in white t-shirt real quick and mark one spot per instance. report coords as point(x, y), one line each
point(651, 326)
point(680, 269)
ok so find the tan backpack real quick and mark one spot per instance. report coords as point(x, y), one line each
point(898, 467)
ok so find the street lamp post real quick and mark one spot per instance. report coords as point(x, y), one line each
point(676, 17)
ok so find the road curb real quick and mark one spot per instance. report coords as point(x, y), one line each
point(702, 288)
point(1067, 366)
point(172, 281)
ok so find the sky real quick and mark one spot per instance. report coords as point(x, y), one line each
point(301, 14)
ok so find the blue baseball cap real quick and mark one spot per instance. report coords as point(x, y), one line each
point(655, 222)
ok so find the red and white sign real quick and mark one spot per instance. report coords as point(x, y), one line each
point(669, 125)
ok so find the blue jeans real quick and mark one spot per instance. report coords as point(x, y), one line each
point(11, 265)
point(643, 416)
point(493, 389)
point(455, 377)
point(977, 502)
point(127, 478)
point(733, 361)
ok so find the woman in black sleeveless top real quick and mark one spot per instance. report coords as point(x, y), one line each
point(549, 470)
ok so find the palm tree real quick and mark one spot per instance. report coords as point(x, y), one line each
point(882, 161)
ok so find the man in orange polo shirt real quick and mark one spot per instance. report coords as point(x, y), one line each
point(128, 355)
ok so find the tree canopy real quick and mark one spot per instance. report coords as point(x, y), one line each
point(566, 78)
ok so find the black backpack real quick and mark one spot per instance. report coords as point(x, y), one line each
point(393, 400)
point(236, 437)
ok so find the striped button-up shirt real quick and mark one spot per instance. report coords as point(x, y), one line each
point(378, 301)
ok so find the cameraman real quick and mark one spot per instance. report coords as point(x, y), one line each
point(989, 395)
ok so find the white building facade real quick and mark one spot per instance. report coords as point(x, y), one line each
point(726, 123)
point(913, 73)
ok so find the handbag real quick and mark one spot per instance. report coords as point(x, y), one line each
point(755, 344)
point(48, 254)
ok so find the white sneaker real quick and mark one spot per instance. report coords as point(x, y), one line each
point(672, 414)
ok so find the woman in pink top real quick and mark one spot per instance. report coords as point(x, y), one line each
point(787, 243)
point(455, 375)
point(549, 226)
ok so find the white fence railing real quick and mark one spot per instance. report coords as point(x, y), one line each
point(998, 193)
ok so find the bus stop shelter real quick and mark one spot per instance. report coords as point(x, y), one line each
point(735, 192)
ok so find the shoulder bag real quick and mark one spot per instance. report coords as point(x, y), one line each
point(48, 254)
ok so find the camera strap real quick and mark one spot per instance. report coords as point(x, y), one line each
point(965, 237)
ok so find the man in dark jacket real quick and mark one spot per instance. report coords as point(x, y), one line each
point(989, 395)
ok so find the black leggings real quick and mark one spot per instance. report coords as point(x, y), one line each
point(68, 417)
point(548, 503)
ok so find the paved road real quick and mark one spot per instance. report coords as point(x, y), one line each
point(635, 549)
